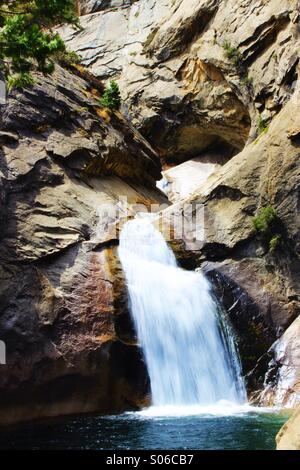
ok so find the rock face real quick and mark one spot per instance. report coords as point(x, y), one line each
point(288, 437)
point(238, 259)
point(285, 365)
point(195, 73)
point(208, 77)
point(92, 6)
point(180, 181)
point(64, 165)
point(180, 104)
point(206, 82)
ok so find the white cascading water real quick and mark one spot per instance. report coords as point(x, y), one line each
point(187, 344)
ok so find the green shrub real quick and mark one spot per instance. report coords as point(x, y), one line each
point(247, 81)
point(269, 226)
point(275, 242)
point(19, 80)
point(111, 97)
point(28, 42)
point(265, 219)
point(262, 125)
point(66, 58)
point(232, 53)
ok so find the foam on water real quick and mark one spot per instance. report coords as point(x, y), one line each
point(222, 408)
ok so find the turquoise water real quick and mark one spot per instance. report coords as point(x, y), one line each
point(245, 431)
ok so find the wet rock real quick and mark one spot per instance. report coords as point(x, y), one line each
point(282, 382)
point(254, 328)
point(253, 296)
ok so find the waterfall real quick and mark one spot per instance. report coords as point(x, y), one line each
point(187, 344)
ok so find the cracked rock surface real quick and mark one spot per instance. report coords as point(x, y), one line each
point(180, 87)
point(63, 309)
point(204, 82)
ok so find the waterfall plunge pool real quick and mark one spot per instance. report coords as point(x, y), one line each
point(218, 428)
point(198, 392)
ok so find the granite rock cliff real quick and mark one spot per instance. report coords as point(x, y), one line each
point(203, 82)
point(64, 165)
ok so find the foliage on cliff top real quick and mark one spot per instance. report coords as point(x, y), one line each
point(26, 39)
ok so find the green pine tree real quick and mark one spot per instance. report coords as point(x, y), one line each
point(27, 42)
point(111, 97)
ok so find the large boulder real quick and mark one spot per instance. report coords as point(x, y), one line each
point(181, 180)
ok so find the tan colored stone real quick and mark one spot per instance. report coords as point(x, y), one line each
point(288, 437)
point(266, 172)
point(63, 306)
point(180, 89)
point(179, 181)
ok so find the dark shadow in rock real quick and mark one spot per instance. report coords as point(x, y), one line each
point(129, 371)
point(254, 334)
